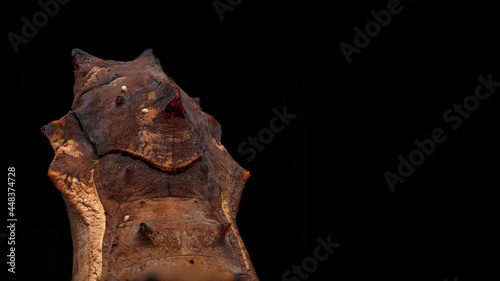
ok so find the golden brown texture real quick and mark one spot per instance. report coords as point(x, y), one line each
point(150, 190)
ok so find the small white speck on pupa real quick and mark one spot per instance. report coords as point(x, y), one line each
point(126, 218)
point(145, 110)
point(124, 88)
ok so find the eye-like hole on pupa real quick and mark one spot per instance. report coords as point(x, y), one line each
point(129, 170)
point(119, 100)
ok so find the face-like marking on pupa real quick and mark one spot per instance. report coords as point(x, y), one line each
point(149, 188)
point(133, 107)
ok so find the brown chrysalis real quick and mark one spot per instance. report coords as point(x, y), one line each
point(151, 193)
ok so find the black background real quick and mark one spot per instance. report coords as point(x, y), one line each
point(323, 175)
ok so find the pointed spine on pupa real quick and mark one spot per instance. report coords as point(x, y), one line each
point(147, 57)
point(84, 65)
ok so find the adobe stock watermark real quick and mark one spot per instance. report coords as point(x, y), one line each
point(29, 29)
point(453, 117)
point(372, 29)
point(221, 7)
point(310, 264)
point(266, 135)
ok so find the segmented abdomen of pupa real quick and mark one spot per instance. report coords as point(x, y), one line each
point(149, 189)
